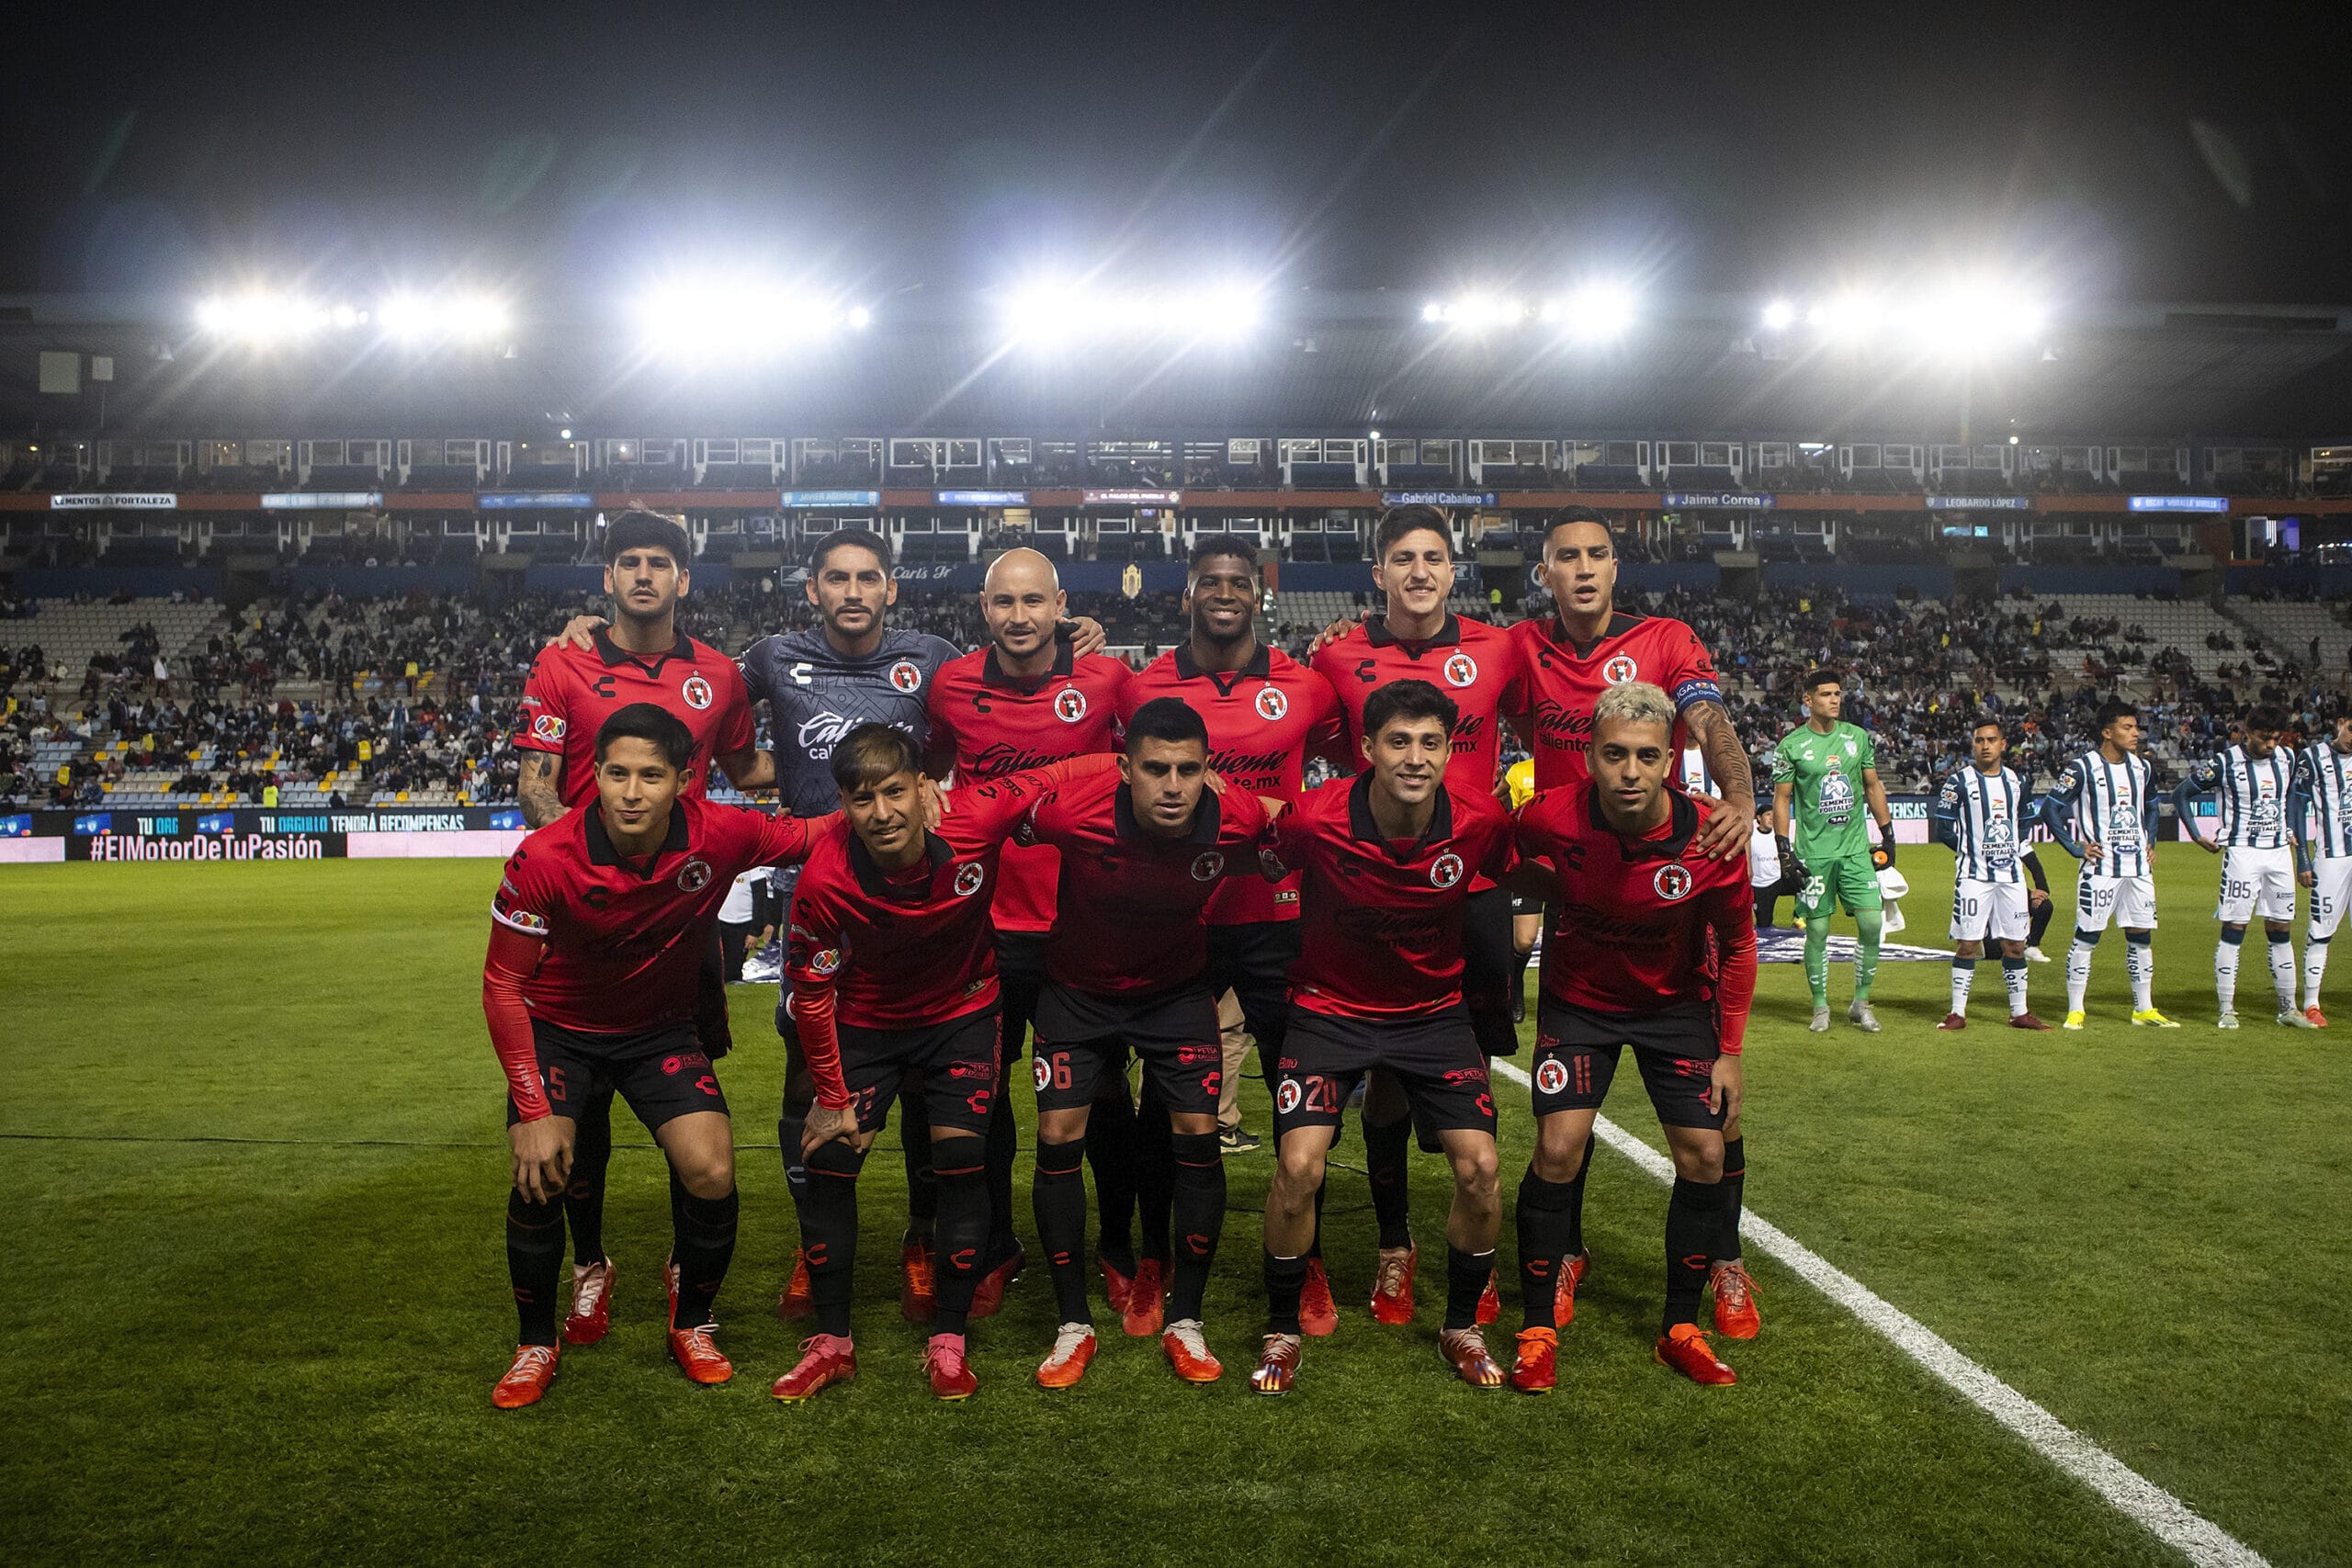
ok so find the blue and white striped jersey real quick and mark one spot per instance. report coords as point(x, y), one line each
point(2324, 777)
point(2112, 804)
point(1983, 815)
point(2252, 793)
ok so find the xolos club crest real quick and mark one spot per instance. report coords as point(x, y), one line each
point(1551, 1075)
point(1446, 870)
point(907, 676)
point(1620, 669)
point(1460, 669)
point(1070, 705)
point(1271, 702)
point(968, 877)
point(1672, 882)
point(694, 876)
point(697, 690)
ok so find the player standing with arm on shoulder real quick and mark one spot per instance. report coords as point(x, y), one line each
point(2252, 781)
point(2323, 779)
point(1025, 700)
point(1389, 859)
point(1981, 812)
point(1478, 668)
point(2107, 795)
point(572, 689)
point(600, 925)
point(1265, 713)
point(1653, 945)
point(1828, 770)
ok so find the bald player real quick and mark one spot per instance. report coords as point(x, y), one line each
point(1021, 702)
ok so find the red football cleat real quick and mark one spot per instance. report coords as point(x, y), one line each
point(527, 1378)
point(697, 1354)
point(2027, 1021)
point(796, 1300)
point(1392, 1284)
point(1564, 1295)
point(1490, 1302)
point(918, 1281)
point(1277, 1364)
point(825, 1359)
point(1465, 1351)
point(1953, 1022)
point(2319, 1018)
point(943, 1361)
point(1188, 1352)
point(1073, 1352)
point(1115, 1285)
point(1319, 1315)
point(591, 1317)
point(1535, 1370)
point(1686, 1349)
point(988, 1295)
point(1735, 1314)
point(1146, 1300)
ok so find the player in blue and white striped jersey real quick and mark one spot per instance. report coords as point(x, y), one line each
point(1981, 812)
point(2102, 811)
point(2251, 781)
point(2322, 804)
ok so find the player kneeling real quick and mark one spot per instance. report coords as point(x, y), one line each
point(591, 985)
point(894, 982)
point(1652, 945)
point(1389, 859)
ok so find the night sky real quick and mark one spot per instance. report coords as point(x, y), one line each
point(2201, 153)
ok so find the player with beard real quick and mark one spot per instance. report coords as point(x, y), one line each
point(1653, 945)
point(1477, 667)
point(1024, 701)
point(572, 691)
point(1389, 858)
point(1583, 649)
point(1265, 713)
point(820, 683)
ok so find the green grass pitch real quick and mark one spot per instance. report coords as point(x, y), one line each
point(252, 1157)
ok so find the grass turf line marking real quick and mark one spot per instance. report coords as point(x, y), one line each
point(2156, 1510)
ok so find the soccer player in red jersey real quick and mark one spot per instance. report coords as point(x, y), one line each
point(1265, 713)
point(1389, 859)
point(1586, 646)
point(1652, 945)
point(589, 984)
point(1025, 700)
point(643, 657)
point(894, 984)
point(1144, 850)
point(1477, 667)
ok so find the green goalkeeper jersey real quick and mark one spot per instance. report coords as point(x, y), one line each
point(1827, 805)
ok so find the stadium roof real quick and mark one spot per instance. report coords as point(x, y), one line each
point(1315, 362)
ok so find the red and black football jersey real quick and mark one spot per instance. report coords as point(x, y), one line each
point(1263, 720)
point(625, 939)
point(1636, 924)
point(1001, 724)
point(572, 691)
point(1563, 681)
point(1383, 922)
point(1132, 908)
point(906, 950)
point(1474, 663)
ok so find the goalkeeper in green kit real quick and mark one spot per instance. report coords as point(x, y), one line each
point(1828, 769)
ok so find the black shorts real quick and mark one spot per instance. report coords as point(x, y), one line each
point(1020, 971)
point(1576, 1051)
point(1490, 967)
point(956, 1062)
point(662, 1072)
point(1253, 962)
point(1081, 1036)
point(1437, 1059)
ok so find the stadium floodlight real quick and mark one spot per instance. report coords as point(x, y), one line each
point(1848, 316)
point(1970, 318)
point(1779, 315)
point(1477, 311)
point(467, 318)
point(261, 318)
point(1598, 313)
point(740, 318)
point(1048, 314)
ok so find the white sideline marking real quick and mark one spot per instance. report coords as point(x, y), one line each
point(2163, 1515)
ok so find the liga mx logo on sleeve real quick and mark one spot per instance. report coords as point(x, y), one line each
point(1621, 669)
point(1271, 702)
point(547, 727)
point(697, 690)
point(1460, 669)
point(1070, 705)
point(907, 676)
